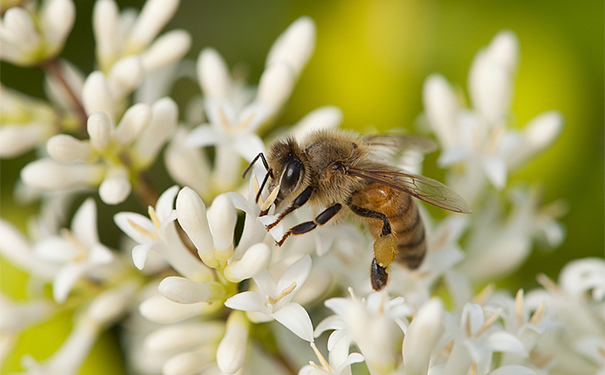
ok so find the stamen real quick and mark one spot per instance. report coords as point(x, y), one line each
point(224, 120)
point(484, 295)
point(142, 230)
point(380, 310)
point(419, 275)
point(448, 349)
point(467, 325)
point(270, 199)
point(255, 185)
point(519, 306)
point(82, 253)
point(535, 318)
point(154, 218)
point(547, 283)
point(281, 295)
point(352, 294)
point(474, 369)
point(324, 364)
point(488, 323)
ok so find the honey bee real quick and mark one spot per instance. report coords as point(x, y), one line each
point(344, 174)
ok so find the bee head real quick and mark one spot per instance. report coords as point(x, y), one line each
point(290, 172)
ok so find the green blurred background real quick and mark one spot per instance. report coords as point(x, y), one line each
point(371, 60)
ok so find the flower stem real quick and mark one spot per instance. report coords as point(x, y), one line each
point(53, 68)
point(144, 190)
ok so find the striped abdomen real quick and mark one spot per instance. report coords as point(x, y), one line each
point(404, 218)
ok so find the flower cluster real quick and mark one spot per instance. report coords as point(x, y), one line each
point(199, 285)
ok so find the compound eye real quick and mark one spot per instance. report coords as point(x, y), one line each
point(292, 174)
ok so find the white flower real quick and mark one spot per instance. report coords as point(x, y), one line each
point(235, 113)
point(475, 340)
point(478, 138)
point(422, 336)
point(78, 251)
point(32, 35)
point(273, 300)
point(375, 325)
point(126, 45)
point(338, 366)
point(158, 234)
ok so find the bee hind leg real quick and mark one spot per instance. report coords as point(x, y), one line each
point(379, 275)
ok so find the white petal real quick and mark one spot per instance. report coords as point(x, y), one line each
point(296, 273)
point(513, 370)
point(473, 316)
point(124, 219)
point(202, 136)
point(99, 254)
point(247, 301)
point(495, 169)
point(231, 351)
point(182, 290)
point(294, 317)
point(505, 342)
point(55, 249)
point(331, 322)
point(266, 284)
point(352, 358)
point(422, 336)
point(84, 223)
point(255, 259)
point(165, 205)
point(65, 280)
point(250, 146)
point(441, 107)
point(139, 254)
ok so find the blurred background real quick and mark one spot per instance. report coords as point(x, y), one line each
point(371, 60)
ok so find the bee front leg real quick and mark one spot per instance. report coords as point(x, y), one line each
point(298, 202)
point(385, 247)
point(308, 226)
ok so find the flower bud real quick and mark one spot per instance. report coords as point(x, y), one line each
point(47, 174)
point(275, 85)
point(161, 310)
point(255, 259)
point(328, 117)
point(20, 29)
point(422, 336)
point(294, 46)
point(153, 17)
point(108, 306)
point(57, 20)
point(99, 129)
point(191, 214)
point(187, 165)
point(164, 115)
point(17, 139)
point(213, 74)
point(125, 75)
point(65, 148)
point(96, 96)
point(182, 336)
point(222, 220)
point(105, 20)
point(441, 108)
point(133, 122)
point(166, 50)
point(116, 186)
point(183, 290)
point(231, 352)
point(188, 363)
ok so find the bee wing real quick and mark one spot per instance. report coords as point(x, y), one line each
point(423, 188)
point(401, 142)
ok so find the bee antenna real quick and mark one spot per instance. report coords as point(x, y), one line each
point(262, 185)
point(262, 157)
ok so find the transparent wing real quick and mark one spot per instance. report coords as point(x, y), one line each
point(423, 188)
point(401, 142)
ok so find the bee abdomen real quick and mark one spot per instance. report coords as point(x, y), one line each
point(410, 235)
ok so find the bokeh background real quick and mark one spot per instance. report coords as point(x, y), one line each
point(371, 60)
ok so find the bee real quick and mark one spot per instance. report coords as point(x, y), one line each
point(348, 174)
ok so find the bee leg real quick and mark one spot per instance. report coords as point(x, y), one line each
point(308, 226)
point(379, 275)
point(385, 247)
point(298, 202)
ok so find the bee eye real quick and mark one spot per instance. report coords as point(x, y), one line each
point(292, 174)
point(336, 166)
